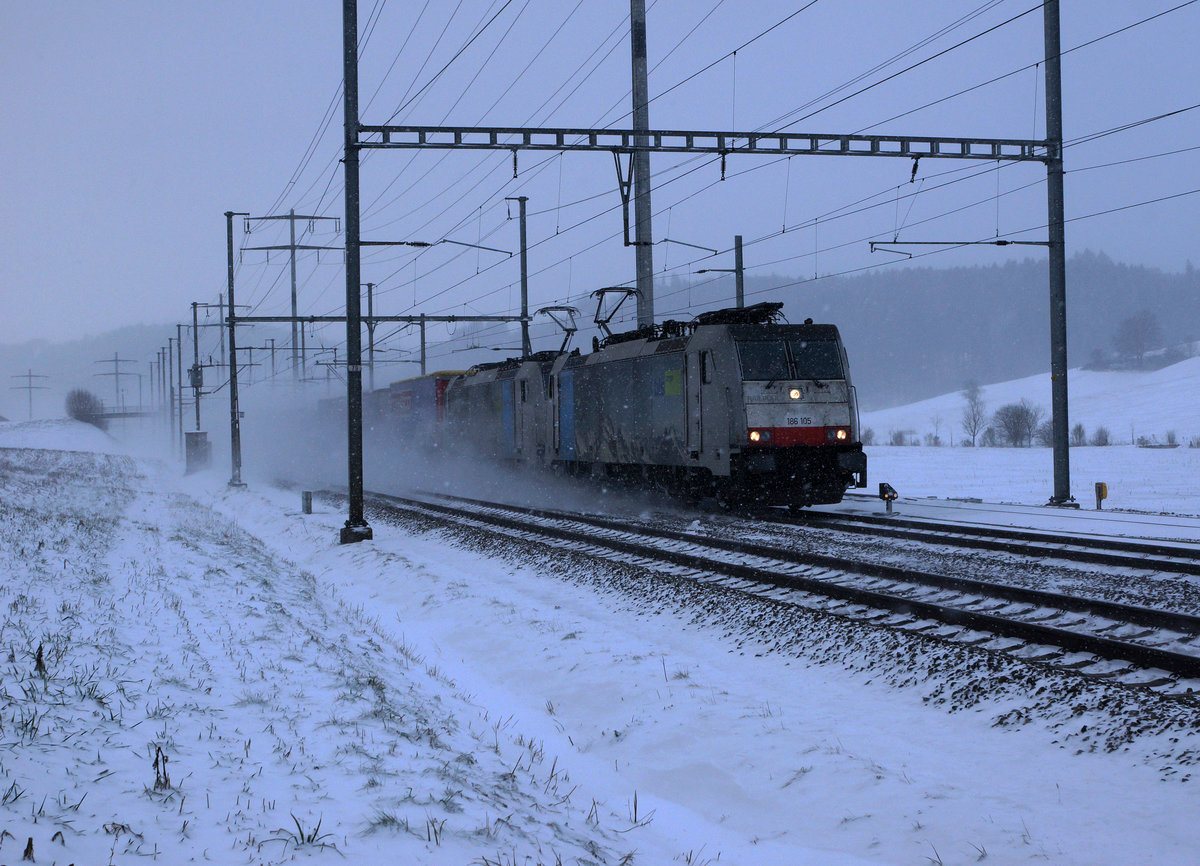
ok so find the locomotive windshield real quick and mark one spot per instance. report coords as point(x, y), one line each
point(797, 358)
point(764, 359)
point(816, 359)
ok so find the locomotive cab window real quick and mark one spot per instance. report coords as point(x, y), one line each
point(764, 359)
point(523, 384)
point(706, 363)
point(816, 359)
point(795, 358)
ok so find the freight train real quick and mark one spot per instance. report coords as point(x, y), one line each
point(734, 405)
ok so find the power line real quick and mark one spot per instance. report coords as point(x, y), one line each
point(1029, 66)
point(729, 54)
point(895, 58)
point(919, 63)
point(449, 62)
point(694, 194)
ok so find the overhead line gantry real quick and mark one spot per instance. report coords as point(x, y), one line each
point(641, 141)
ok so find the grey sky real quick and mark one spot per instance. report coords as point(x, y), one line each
point(130, 127)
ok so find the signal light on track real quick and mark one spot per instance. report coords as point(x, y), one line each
point(888, 494)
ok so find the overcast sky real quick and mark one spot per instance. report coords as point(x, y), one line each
point(130, 127)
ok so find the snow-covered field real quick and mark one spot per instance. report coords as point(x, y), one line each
point(1141, 479)
point(221, 681)
point(1130, 404)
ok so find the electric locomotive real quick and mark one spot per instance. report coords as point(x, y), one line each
point(734, 405)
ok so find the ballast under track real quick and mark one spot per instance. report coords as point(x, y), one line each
point(1135, 645)
point(1114, 552)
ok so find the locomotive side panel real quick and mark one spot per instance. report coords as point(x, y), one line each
point(475, 410)
point(502, 412)
point(564, 407)
point(627, 412)
point(414, 411)
point(531, 412)
point(714, 384)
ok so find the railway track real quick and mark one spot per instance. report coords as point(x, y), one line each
point(1152, 555)
point(1134, 645)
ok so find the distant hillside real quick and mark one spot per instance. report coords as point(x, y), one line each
point(914, 332)
point(1130, 404)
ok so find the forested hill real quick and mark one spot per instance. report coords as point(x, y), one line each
point(915, 332)
point(912, 332)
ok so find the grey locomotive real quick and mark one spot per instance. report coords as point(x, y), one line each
point(733, 404)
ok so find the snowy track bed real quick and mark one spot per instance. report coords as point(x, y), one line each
point(1085, 717)
point(1123, 579)
point(1066, 631)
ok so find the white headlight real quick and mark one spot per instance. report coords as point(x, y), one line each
point(794, 393)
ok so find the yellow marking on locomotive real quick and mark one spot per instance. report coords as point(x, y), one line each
point(673, 382)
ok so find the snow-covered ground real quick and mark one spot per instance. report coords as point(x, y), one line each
point(1142, 479)
point(223, 682)
point(1131, 405)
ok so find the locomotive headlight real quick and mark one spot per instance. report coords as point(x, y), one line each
point(838, 434)
point(755, 436)
point(760, 436)
point(794, 393)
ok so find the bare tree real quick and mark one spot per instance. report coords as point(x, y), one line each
point(86, 407)
point(1045, 434)
point(1018, 422)
point(936, 421)
point(1137, 335)
point(1078, 435)
point(974, 417)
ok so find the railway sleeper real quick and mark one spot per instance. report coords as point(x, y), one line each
point(1049, 654)
point(972, 637)
point(1113, 628)
point(1004, 644)
point(1069, 624)
point(1022, 612)
point(1048, 616)
point(1081, 660)
point(1138, 635)
point(1107, 675)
